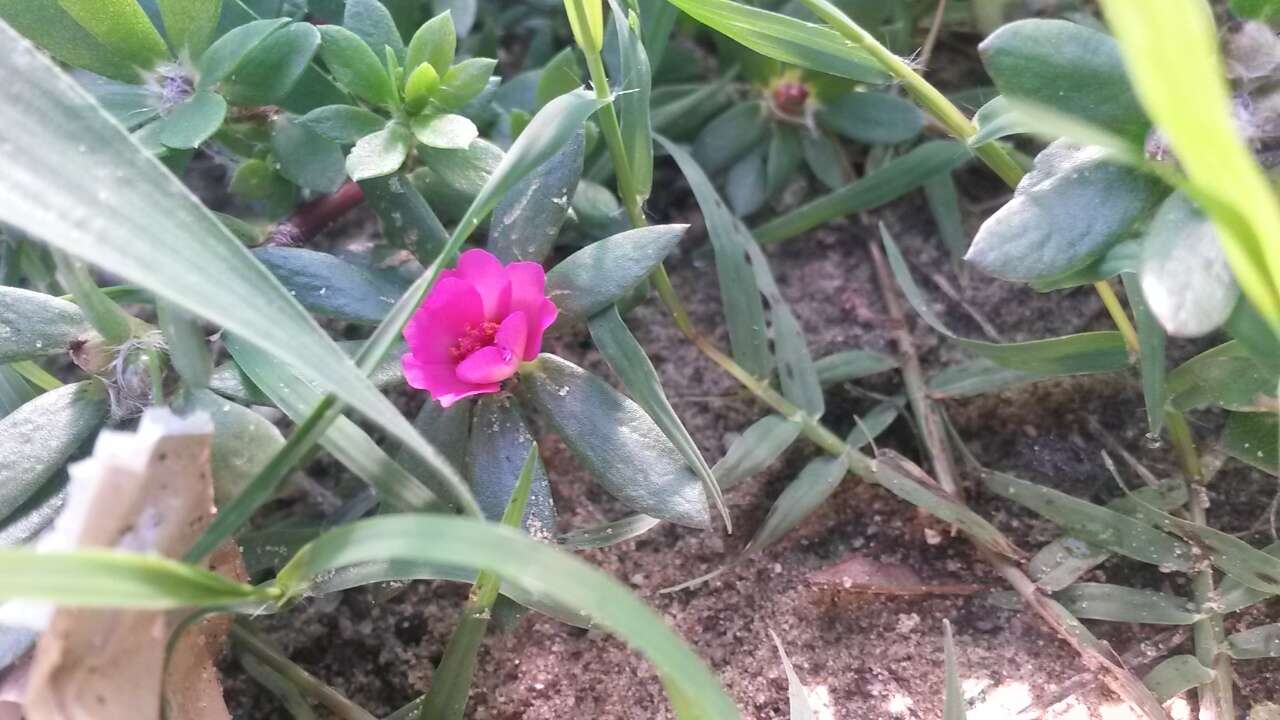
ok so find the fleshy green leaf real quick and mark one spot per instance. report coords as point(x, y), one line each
point(122, 26)
point(381, 153)
point(37, 439)
point(450, 180)
point(48, 25)
point(306, 158)
point(269, 72)
point(407, 221)
point(33, 324)
point(497, 449)
point(785, 38)
point(998, 119)
point(434, 43)
point(744, 185)
point(782, 159)
point(616, 440)
point(463, 82)
point(596, 276)
point(356, 67)
point(29, 519)
point(243, 442)
point(327, 285)
point(445, 131)
point(629, 362)
point(560, 75)
point(755, 449)
point(872, 117)
point(189, 24)
point(1068, 67)
point(1173, 59)
point(227, 52)
point(192, 122)
point(344, 124)
point(372, 22)
point(1187, 304)
point(419, 87)
point(1041, 232)
point(730, 136)
point(526, 223)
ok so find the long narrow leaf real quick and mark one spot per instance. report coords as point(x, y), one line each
point(537, 567)
point(627, 358)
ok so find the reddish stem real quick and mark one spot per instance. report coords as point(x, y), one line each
point(312, 218)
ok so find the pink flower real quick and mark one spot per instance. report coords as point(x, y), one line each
point(476, 326)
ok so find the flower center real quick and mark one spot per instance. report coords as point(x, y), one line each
point(473, 338)
point(789, 97)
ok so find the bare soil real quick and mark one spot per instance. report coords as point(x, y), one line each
point(867, 657)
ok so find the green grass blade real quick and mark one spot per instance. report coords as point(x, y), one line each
point(344, 439)
point(953, 693)
point(885, 184)
point(539, 568)
point(104, 578)
point(785, 38)
point(1091, 352)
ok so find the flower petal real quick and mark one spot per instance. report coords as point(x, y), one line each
point(541, 319)
point(490, 364)
point(452, 305)
point(441, 380)
point(485, 272)
point(528, 286)
point(513, 333)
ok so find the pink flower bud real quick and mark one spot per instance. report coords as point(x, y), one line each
point(479, 322)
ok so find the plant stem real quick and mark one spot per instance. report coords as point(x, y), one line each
point(612, 133)
point(960, 127)
point(931, 427)
point(447, 699)
point(312, 218)
point(1216, 701)
point(310, 685)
